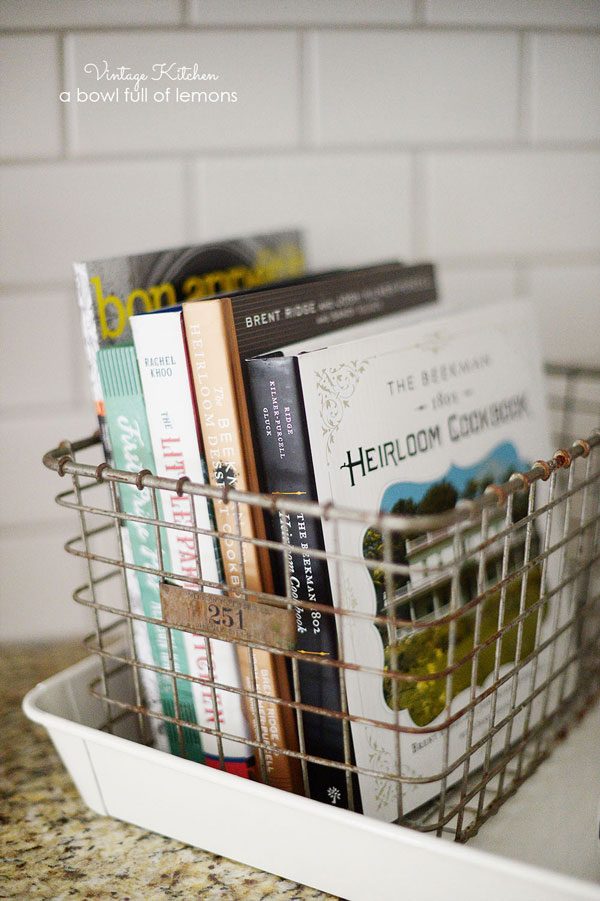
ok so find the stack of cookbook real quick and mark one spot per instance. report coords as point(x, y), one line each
point(228, 364)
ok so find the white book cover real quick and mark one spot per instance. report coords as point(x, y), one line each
point(397, 422)
point(162, 361)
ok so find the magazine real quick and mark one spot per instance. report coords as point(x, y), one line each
point(110, 291)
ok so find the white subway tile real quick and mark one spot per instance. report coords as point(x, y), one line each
point(62, 212)
point(574, 404)
point(568, 13)
point(565, 99)
point(28, 489)
point(87, 13)
point(568, 303)
point(472, 286)
point(300, 12)
point(512, 203)
point(354, 208)
point(37, 364)
point(29, 106)
point(385, 87)
point(36, 584)
point(258, 87)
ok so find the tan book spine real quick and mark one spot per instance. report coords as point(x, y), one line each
point(214, 376)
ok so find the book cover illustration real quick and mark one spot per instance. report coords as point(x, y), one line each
point(425, 591)
point(111, 291)
point(410, 421)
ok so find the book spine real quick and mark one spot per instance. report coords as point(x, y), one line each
point(128, 428)
point(91, 341)
point(157, 689)
point(285, 466)
point(217, 405)
point(164, 372)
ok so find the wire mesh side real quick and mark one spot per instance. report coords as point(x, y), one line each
point(489, 616)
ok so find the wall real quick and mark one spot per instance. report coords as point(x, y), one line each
point(468, 132)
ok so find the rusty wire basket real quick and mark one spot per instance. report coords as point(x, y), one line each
point(506, 587)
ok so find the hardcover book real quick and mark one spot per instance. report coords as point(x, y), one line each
point(221, 333)
point(130, 439)
point(163, 366)
point(110, 291)
point(409, 421)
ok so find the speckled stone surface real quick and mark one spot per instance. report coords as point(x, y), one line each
point(53, 847)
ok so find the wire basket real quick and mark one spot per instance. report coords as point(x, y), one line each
point(503, 592)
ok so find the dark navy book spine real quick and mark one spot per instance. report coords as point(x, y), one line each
point(285, 469)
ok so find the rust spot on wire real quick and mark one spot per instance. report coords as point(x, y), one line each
point(522, 478)
point(562, 458)
point(584, 445)
point(498, 492)
point(99, 470)
point(62, 462)
point(545, 468)
point(139, 479)
point(179, 486)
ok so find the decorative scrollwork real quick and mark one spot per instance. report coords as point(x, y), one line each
point(336, 386)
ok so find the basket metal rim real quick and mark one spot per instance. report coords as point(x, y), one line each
point(62, 461)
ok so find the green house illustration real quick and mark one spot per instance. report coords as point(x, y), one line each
point(436, 560)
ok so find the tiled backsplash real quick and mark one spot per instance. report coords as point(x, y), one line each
point(464, 131)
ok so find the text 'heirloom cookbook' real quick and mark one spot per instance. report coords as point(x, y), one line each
point(410, 421)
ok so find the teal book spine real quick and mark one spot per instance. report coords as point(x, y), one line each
point(132, 451)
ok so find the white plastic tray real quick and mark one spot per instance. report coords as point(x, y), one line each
point(551, 821)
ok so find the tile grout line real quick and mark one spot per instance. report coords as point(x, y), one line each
point(409, 26)
point(418, 206)
point(550, 259)
point(78, 391)
point(510, 146)
point(522, 279)
point(420, 13)
point(201, 195)
point(191, 197)
point(62, 86)
point(525, 105)
point(185, 13)
point(304, 125)
point(311, 141)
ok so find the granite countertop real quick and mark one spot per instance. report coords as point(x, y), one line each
point(53, 846)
